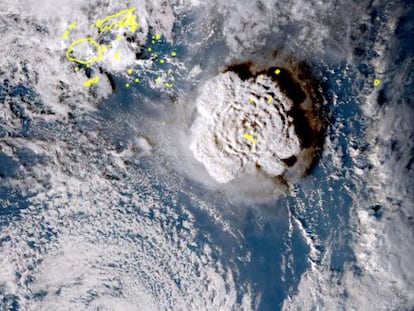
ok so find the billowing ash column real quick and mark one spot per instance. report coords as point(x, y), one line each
point(249, 124)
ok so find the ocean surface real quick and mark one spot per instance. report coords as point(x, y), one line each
point(102, 207)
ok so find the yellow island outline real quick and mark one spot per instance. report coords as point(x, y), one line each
point(127, 19)
point(88, 61)
point(91, 81)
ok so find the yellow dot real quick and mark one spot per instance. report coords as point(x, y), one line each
point(377, 82)
point(158, 79)
point(153, 36)
point(118, 38)
point(157, 36)
point(127, 85)
point(149, 49)
point(103, 48)
point(254, 141)
point(136, 80)
point(162, 61)
point(155, 55)
point(269, 99)
point(163, 123)
point(130, 71)
point(277, 71)
point(153, 41)
point(251, 99)
point(116, 55)
point(169, 71)
point(173, 54)
point(168, 84)
point(2, 149)
point(76, 69)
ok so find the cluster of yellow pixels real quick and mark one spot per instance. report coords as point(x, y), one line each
point(65, 35)
point(67, 32)
point(116, 54)
point(73, 25)
point(277, 71)
point(249, 137)
point(269, 99)
point(130, 71)
point(91, 81)
point(377, 82)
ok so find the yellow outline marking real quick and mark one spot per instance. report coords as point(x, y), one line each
point(377, 82)
point(73, 25)
point(65, 35)
point(88, 61)
point(127, 20)
point(67, 32)
point(91, 81)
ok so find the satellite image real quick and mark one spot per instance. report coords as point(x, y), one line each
point(223, 155)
